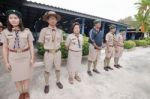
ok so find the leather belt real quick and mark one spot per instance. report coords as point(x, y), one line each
point(74, 50)
point(19, 50)
point(110, 45)
point(52, 50)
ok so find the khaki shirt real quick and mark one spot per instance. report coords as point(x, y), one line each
point(25, 37)
point(110, 39)
point(50, 39)
point(120, 40)
point(72, 42)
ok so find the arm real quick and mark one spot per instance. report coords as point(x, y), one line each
point(5, 52)
point(30, 40)
point(91, 37)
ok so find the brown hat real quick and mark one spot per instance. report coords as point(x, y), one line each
point(1, 25)
point(51, 13)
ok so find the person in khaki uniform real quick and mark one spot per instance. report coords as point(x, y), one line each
point(18, 52)
point(110, 45)
point(74, 45)
point(51, 38)
point(119, 47)
point(95, 40)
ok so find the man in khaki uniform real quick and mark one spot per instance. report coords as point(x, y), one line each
point(119, 47)
point(51, 38)
point(95, 40)
point(109, 50)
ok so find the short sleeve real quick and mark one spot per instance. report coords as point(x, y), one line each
point(4, 38)
point(67, 40)
point(31, 39)
point(41, 37)
point(107, 37)
point(62, 39)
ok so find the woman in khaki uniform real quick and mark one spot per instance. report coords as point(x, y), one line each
point(74, 45)
point(51, 38)
point(109, 50)
point(119, 48)
point(18, 52)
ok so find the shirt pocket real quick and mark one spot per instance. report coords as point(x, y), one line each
point(48, 38)
point(58, 38)
point(23, 39)
point(73, 41)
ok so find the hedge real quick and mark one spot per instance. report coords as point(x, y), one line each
point(129, 44)
point(148, 41)
point(141, 42)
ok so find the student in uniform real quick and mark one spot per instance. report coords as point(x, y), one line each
point(51, 38)
point(18, 52)
point(74, 45)
point(110, 45)
point(96, 41)
point(119, 47)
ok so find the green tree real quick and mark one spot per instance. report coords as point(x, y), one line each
point(143, 15)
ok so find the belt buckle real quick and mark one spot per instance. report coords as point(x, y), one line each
point(19, 50)
point(53, 51)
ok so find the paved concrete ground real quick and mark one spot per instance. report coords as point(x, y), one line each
point(130, 82)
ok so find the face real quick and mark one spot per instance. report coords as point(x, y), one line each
point(113, 30)
point(13, 20)
point(98, 25)
point(76, 29)
point(123, 33)
point(52, 21)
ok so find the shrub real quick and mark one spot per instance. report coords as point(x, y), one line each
point(141, 42)
point(85, 50)
point(148, 40)
point(129, 44)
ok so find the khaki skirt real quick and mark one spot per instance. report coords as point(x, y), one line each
point(74, 62)
point(20, 64)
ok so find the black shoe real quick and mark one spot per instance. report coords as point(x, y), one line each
point(59, 85)
point(106, 69)
point(96, 71)
point(116, 66)
point(89, 73)
point(110, 68)
point(46, 89)
point(119, 66)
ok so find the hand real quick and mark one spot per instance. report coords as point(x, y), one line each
point(32, 61)
point(8, 67)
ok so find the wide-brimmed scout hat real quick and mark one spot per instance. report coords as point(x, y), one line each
point(51, 13)
point(8, 12)
point(97, 21)
point(112, 26)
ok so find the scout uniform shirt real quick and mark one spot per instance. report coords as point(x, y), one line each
point(17, 39)
point(74, 43)
point(111, 41)
point(51, 38)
